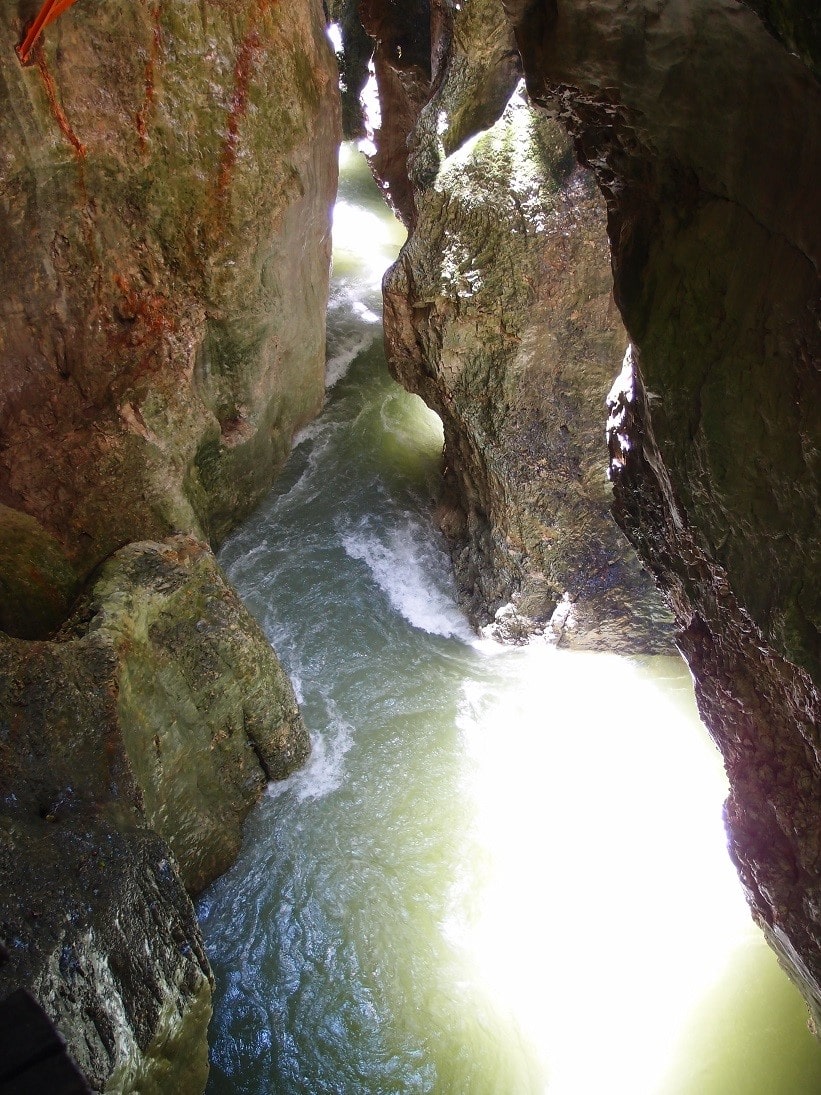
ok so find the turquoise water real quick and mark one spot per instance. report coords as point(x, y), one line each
point(502, 870)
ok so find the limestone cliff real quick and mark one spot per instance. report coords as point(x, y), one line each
point(167, 175)
point(705, 135)
point(166, 178)
point(499, 314)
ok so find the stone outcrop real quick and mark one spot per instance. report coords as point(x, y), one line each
point(104, 936)
point(499, 314)
point(705, 135)
point(167, 175)
point(205, 711)
point(353, 58)
point(403, 68)
point(160, 708)
point(166, 181)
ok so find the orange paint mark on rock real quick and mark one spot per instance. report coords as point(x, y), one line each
point(239, 105)
point(51, 10)
point(144, 322)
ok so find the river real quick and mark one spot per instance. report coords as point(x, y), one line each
point(503, 871)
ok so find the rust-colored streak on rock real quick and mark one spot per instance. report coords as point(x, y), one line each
point(145, 322)
point(55, 106)
point(146, 110)
point(249, 50)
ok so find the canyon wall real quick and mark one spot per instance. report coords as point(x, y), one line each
point(168, 172)
point(703, 130)
point(701, 123)
point(166, 179)
point(499, 313)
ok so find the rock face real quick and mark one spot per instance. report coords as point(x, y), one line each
point(402, 66)
point(705, 135)
point(499, 314)
point(167, 175)
point(205, 711)
point(166, 178)
point(353, 58)
point(159, 704)
point(105, 937)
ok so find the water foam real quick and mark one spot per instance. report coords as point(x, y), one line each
point(351, 226)
point(325, 770)
point(349, 349)
point(408, 568)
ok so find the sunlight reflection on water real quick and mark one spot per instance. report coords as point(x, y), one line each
point(503, 871)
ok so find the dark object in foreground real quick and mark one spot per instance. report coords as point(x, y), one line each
point(33, 1056)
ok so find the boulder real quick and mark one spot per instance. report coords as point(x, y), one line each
point(131, 749)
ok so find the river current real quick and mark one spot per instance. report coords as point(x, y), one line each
point(503, 871)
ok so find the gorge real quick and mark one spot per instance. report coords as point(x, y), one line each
point(168, 173)
point(477, 835)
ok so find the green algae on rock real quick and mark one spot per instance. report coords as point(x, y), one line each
point(159, 704)
point(94, 918)
point(205, 711)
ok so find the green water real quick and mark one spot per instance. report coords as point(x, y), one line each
point(503, 870)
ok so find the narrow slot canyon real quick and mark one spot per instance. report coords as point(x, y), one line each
point(346, 743)
point(478, 828)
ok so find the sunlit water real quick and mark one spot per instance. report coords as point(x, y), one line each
point(502, 871)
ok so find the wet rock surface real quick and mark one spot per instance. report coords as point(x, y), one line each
point(206, 713)
point(354, 58)
point(499, 314)
point(94, 918)
point(403, 68)
point(104, 936)
point(704, 135)
point(166, 178)
point(167, 175)
point(159, 709)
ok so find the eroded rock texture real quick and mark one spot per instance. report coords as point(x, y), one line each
point(354, 58)
point(104, 936)
point(704, 134)
point(166, 177)
point(159, 704)
point(499, 314)
point(167, 173)
point(205, 711)
point(403, 68)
